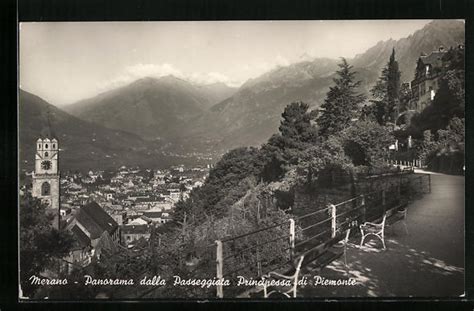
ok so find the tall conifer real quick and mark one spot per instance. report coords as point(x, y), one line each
point(342, 101)
point(386, 93)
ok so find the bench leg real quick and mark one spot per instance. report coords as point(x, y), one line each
point(362, 237)
point(406, 227)
point(345, 254)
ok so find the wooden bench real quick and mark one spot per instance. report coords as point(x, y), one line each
point(319, 257)
point(326, 253)
point(399, 214)
point(390, 217)
point(290, 291)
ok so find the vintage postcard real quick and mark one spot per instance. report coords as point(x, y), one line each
point(241, 159)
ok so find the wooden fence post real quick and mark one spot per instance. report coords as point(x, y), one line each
point(292, 238)
point(333, 220)
point(259, 264)
point(219, 266)
point(384, 200)
point(399, 187)
point(364, 209)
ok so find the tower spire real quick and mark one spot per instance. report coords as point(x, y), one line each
point(47, 131)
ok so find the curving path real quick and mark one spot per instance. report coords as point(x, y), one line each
point(428, 262)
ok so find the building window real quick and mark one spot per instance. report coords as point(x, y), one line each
point(39, 146)
point(54, 146)
point(46, 146)
point(46, 154)
point(45, 189)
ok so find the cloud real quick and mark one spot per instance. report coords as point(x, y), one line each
point(153, 70)
point(281, 61)
point(138, 71)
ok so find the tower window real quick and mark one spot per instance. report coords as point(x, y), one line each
point(46, 146)
point(45, 189)
point(46, 154)
point(54, 146)
point(39, 146)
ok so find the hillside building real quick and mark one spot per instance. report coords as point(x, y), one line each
point(429, 69)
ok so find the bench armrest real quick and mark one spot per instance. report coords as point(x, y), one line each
point(278, 275)
point(371, 224)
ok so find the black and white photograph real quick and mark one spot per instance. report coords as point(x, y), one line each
point(262, 160)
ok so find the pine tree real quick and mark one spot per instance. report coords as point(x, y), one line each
point(40, 244)
point(296, 123)
point(342, 102)
point(386, 93)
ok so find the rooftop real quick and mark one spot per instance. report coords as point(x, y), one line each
point(96, 220)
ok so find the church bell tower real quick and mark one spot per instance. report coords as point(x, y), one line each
point(46, 175)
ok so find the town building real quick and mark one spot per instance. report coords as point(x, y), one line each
point(132, 233)
point(93, 229)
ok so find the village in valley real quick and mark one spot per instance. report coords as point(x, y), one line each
point(97, 206)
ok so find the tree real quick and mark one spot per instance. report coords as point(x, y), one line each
point(321, 161)
point(228, 174)
point(366, 142)
point(297, 133)
point(386, 93)
point(40, 243)
point(342, 102)
point(446, 153)
point(448, 103)
point(404, 97)
point(296, 123)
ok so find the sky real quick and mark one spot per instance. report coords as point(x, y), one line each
point(64, 62)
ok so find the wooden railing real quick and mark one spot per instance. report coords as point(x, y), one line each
point(312, 231)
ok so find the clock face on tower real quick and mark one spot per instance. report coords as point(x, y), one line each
point(46, 165)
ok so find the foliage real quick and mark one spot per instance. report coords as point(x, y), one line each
point(296, 123)
point(320, 160)
point(227, 176)
point(386, 93)
point(342, 102)
point(366, 142)
point(40, 244)
point(283, 150)
point(446, 105)
point(405, 96)
point(448, 143)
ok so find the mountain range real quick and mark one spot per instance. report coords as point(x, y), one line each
point(182, 117)
point(83, 144)
point(151, 108)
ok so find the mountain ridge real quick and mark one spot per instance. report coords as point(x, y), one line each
point(83, 145)
point(152, 108)
point(179, 114)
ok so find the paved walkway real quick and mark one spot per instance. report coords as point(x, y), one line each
point(428, 262)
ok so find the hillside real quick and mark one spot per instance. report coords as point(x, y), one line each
point(438, 33)
point(83, 145)
point(252, 114)
point(151, 108)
